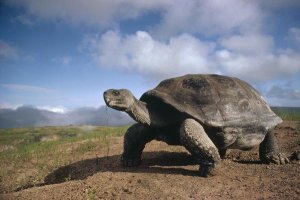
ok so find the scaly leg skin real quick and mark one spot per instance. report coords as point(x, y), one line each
point(269, 151)
point(135, 139)
point(197, 142)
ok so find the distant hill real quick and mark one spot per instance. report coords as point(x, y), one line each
point(288, 113)
point(28, 116)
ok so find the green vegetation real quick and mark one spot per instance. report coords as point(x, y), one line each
point(91, 194)
point(27, 155)
point(288, 113)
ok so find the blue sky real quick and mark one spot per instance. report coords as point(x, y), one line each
point(62, 55)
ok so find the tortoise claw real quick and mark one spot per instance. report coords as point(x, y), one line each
point(279, 159)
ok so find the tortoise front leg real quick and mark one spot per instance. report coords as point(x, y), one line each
point(196, 141)
point(269, 151)
point(222, 153)
point(135, 139)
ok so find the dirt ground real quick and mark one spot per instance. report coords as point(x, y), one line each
point(169, 172)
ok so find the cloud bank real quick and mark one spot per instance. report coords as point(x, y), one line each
point(27, 116)
point(93, 12)
point(232, 37)
point(144, 54)
point(241, 55)
point(284, 93)
point(207, 16)
point(197, 36)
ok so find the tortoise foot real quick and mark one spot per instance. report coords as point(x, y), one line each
point(207, 170)
point(277, 158)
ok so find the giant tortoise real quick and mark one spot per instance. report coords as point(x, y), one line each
point(206, 113)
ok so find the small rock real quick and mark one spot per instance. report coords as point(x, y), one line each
point(127, 190)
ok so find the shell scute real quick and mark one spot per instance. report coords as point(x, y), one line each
point(215, 100)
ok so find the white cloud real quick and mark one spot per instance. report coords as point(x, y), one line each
point(9, 106)
point(235, 41)
point(239, 46)
point(253, 43)
point(210, 17)
point(8, 51)
point(92, 12)
point(184, 54)
point(29, 116)
point(177, 16)
point(261, 67)
point(140, 52)
point(283, 93)
point(55, 109)
point(278, 4)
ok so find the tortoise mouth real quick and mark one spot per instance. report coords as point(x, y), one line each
point(114, 103)
point(107, 100)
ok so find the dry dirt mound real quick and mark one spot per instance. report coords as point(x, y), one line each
point(169, 172)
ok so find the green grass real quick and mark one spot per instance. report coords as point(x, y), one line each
point(38, 143)
point(288, 113)
point(91, 194)
point(27, 155)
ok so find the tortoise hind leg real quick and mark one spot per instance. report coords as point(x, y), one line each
point(269, 151)
point(196, 141)
point(135, 139)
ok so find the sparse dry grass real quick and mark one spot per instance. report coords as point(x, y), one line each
point(28, 154)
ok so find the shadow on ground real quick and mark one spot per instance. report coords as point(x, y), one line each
point(153, 162)
point(162, 162)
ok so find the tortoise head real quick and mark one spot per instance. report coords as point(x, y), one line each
point(119, 99)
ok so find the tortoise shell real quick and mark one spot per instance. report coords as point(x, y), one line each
point(214, 100)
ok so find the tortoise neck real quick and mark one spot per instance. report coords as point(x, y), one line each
point(139, 112)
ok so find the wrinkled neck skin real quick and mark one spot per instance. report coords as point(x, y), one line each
point(139, 112)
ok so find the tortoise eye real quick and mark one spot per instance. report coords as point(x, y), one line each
point(115, 93)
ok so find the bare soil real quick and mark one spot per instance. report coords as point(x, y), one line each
point(169, 172)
